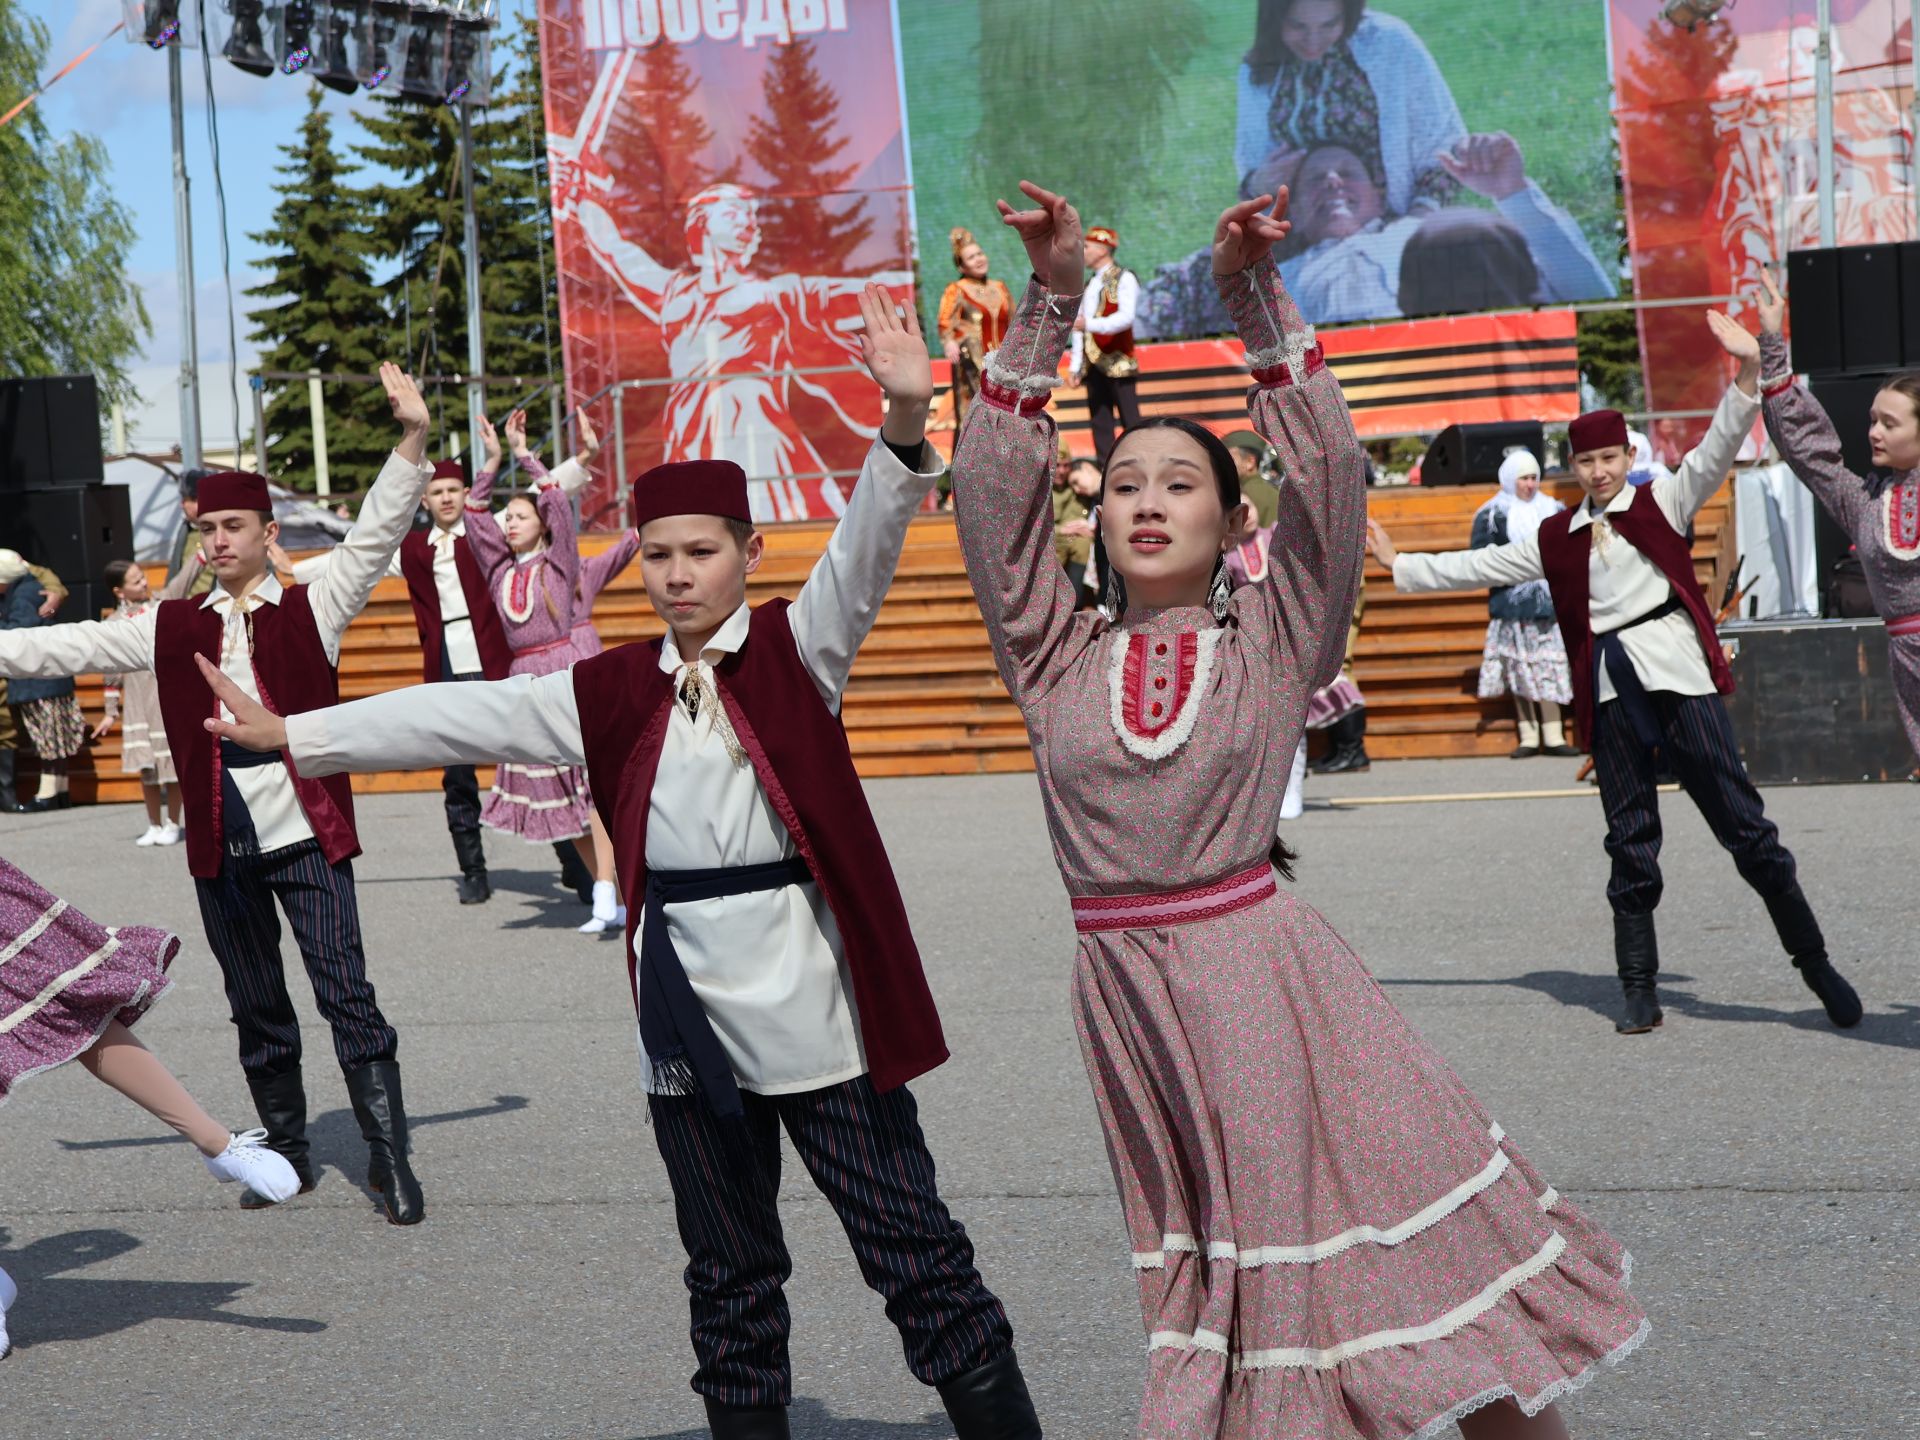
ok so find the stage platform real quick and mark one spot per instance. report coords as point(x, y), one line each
point(924, 698)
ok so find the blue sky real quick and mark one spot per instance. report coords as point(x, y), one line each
point(120, 95)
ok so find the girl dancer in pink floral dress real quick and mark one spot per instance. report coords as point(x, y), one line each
point(1333, 1240)
point(72, 990)
point(1881, 511)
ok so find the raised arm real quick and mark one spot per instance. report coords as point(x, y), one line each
point(598, 571)
point(836, 607)
point(1306, 604)
point(1003, 462)
point(360, 561)
point(563, 541)
point(1706, 466)
point(1799, 425)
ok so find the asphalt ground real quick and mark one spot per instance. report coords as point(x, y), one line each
point(1763, 1168)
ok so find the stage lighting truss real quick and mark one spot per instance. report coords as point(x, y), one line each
point(160, 23)
point(434, 51)
point(1689, 13)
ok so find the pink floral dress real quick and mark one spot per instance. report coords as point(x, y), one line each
point(1333, 1240)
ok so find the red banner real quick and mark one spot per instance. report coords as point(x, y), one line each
point(1718, 141)
point(726, 177)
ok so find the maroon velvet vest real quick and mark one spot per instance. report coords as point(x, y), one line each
point(1564, 556)
point(799, 752)
point(489, 636)
point(291, 669)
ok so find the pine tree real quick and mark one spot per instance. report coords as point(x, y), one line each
point(68, 306)
point(803, 226)
point(322, 312)
point(664, 122)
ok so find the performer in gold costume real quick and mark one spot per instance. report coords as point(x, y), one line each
point(974, 313)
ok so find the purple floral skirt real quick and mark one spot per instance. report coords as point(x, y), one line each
point(64, 979)
point(540, 803)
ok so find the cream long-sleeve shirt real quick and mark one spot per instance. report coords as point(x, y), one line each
point(463, 651)
point(768, 967)
point(118, 646)
point(1622, 584)
point(1126, 301)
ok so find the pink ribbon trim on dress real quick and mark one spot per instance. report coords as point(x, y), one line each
point(1903, 625)
point(1093, 913)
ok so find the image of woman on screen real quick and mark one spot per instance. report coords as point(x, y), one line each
point(1331, 67)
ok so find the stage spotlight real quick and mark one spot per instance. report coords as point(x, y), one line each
point(332, 60)
point(296, 36)
point(468, 64)
point(163, 23)
point(426, 44)
point(1689, 13)
point(375, 62)
point(246, 47)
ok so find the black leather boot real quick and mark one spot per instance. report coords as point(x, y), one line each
point(991, 1402)
point(375, 1092)
point(574, 873)
point(1349, 752)
point(1799, 932)
point(280, 1100)
point(473, 885)
point(758, 1422)
point(1636, 950)
point(9, 797)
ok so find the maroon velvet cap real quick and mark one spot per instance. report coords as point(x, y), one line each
point(234, 490)
point(1596, 430)
point(691, 487)
point(443, 469)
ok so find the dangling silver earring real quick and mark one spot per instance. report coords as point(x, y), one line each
point(1221, 595)
point(1113, 595)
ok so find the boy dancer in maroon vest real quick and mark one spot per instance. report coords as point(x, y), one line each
point(1648, 674)
point(257, 830)
point(461, 637)
point(775, 977)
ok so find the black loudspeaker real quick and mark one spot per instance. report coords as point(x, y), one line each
point(1870, 306)
point(74, 531)
point(49, 432)
point(1813, 304)
point(1813, 702)
point(1471, 454)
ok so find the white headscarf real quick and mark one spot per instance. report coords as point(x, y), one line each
point(1523, 516)
point(12, 566)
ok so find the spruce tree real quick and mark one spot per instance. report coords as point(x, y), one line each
point(322, 312)
point(804, 225)
point(68, 307)
point(663, 122)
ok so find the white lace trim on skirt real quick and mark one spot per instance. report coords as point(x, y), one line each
point(1252, 1257)
point(1304, 1357)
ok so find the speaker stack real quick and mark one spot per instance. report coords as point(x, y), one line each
point(1856, 322)
point(1471, 454)
point(55, 507)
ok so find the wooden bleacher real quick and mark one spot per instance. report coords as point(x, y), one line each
point(924, 698)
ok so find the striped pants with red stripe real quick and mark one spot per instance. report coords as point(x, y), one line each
point(865, 1151)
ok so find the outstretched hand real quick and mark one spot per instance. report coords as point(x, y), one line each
point(409, 408)
point(1245, 234)
point(1379, 544)
point(896, 356)
point(1052, 236)
point(1734, 337)
point(489, 444)
point(516, 433)
point(254, 727)
point(1772, 305)
point(588, 439)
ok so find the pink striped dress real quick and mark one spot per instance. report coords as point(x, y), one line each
point(64, 979)
point(1332, 1238)
point(535, 596)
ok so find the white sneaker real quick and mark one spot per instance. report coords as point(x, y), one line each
point(152, 837)
point(9, 1292)
point(266, 1172)
point(170, 834)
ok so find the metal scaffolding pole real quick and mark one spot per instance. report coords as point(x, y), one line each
point(1823, 100)
point(1913, 138)
point(190, 456)
point(476, 362)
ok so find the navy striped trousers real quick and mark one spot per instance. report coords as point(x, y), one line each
point(865, 1151)
point(1696, 740)
point(237, 909)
